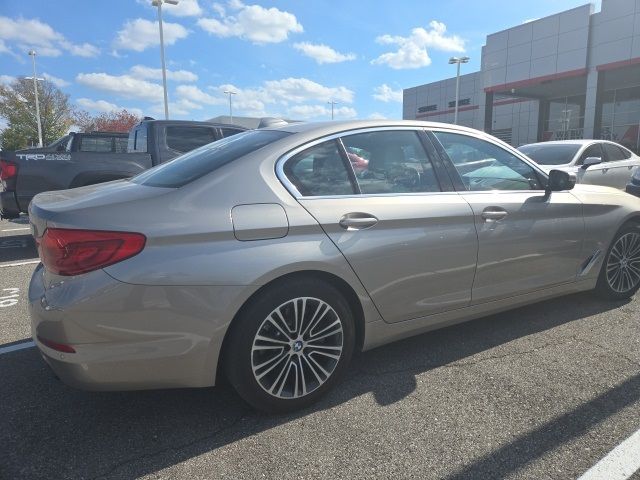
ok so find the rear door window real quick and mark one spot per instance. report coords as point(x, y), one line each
point(186, 138)
point(392, 161)
point(320, 171)
point(197, 163)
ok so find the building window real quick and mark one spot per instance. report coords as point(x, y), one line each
point(565, 118)
point(621, 117)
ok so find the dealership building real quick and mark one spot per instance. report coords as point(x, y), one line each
point(575, 74)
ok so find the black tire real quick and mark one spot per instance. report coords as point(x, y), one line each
point(609, 286)
point(240, 359)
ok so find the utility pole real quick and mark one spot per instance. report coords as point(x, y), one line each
point(230, 93)
point(332, 103)
point(158, 3)
point(458, 61)
point(32, 53)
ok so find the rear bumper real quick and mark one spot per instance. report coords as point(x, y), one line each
point(9, 205)
point(633, 189)
point(128, 337)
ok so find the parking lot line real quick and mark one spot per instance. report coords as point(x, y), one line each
point(619, 464)
point(16, 229)
point(17, 346)
point(17, 264)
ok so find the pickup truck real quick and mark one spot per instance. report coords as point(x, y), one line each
point(80, 159)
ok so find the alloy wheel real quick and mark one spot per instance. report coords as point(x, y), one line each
point(623, 264)
point(297, 347)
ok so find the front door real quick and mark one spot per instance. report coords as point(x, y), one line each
point(527, 240)
point(377, 196)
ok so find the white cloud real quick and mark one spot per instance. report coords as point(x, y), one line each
point(104, 106)
point(377, 116)
point(252, 22)
point(306, 112)
point(58, 82)
point(84, 50)
point(148, 73)
point(197, 96)
point(7, 79)
point(385, 93)
point(140, 34)
point(186, 8)
point(302, 89)
point(124, 86)
point(323, 53)
point(412, 50)
point(32, 33)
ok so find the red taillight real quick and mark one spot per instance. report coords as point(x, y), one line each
point(60, 347)
point(72, 252)
point(7, 170)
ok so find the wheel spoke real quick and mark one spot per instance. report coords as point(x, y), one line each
point(276, 360)
point(332, 329)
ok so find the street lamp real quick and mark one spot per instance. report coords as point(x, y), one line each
point(332, 103)
point(458, 61)
point(158, 3)
point(230, 92)
point(32, 54)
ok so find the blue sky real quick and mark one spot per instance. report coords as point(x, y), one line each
point(283, 58)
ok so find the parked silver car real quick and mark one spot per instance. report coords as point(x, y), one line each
point(598, 162)
point(268, 257)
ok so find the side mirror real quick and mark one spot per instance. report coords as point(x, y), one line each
point(60, 148)
point(560, 180)
point(589, 161)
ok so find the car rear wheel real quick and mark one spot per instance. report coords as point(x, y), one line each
point(620, 274)
point(290, 345)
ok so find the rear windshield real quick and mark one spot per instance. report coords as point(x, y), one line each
point(197, 163)
point(550, 154)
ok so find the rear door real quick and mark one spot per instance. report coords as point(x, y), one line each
point(381, 199)
point(526, 239)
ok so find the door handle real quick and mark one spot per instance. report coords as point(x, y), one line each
point(605, 170)
point(357, 221)
point(493, 214)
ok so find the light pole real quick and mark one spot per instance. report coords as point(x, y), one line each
point(230, 92)
point(332, 103)
point(32, 54)
point(458, 61)
point(158, 3)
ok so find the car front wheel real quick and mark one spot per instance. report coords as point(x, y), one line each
point(290, 345)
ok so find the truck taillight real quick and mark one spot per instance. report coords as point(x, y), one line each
point(7, 170)
point(72, 252)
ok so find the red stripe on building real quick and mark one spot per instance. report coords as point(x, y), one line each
point(451, 110)
point(537, 80)
point(622, 63)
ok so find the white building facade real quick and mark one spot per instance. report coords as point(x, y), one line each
point(575, 74)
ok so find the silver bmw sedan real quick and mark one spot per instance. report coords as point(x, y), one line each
point(273, 255)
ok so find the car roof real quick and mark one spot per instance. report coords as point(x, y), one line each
point(337, 126)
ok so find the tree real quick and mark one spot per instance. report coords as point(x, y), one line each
point(17, 107)
point(115, 121)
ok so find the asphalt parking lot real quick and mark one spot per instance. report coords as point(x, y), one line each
point(542, 392)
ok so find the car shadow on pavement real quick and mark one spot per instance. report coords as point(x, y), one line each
point(48, 427)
